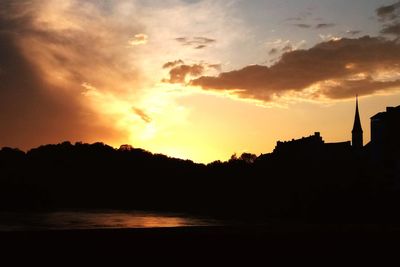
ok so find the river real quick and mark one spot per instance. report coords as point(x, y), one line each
point(72, 220)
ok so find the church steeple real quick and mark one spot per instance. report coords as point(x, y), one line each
point(357, 132)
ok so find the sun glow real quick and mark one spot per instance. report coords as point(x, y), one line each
point(160, 130)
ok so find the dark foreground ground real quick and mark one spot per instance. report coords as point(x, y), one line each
point(209, 246)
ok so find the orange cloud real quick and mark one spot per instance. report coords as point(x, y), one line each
point(327, 61)
point(142, 114)
point(179, 71)
point(48, 50)
point(173, 64)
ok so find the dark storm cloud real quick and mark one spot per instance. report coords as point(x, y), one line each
point(340, 62)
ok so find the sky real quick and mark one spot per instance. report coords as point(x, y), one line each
point(194, 79)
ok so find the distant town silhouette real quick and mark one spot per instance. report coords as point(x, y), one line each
point(304, 179)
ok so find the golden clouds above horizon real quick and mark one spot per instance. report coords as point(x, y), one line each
point(341, 69)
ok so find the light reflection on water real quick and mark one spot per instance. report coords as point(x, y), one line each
point(95, 220)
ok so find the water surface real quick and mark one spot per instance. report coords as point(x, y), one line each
point(96, 220)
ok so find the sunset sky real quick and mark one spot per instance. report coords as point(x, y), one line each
point(197, 79)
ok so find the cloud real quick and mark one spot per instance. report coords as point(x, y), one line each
point(301, 16)
point(303, 25)
point(353, 32)
point(192, 1)
point(273, 52)
point(393, 29)
point(333, 69)
point(389, 12)
point(146, 118)
point(172, 64)
point(178, 74)
point(295, 19)
point(325, 25)
point(318, 26)
point(348, 88)
point(329, 37)
point(48, 50)
point(216, 67)
point(204, 40)
point(279, 46)
point(287, 48)
point(196, 42)
point(139, 39)
point(179, 71)
point(391, 16)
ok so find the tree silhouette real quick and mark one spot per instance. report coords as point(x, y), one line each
point(325, 185)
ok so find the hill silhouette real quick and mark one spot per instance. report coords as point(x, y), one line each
point(318, 186)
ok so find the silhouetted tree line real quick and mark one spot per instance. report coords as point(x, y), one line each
point(344, 186)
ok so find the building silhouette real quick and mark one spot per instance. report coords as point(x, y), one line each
point(357, 132)
point(312, 146)
point(385, 135)
point(315, 146)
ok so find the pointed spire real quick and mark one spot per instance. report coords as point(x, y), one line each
point(357, 132)
point(357, 122)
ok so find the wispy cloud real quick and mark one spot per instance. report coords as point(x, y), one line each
point(325, 25)
point(353, 32)
point(303, 25)
point(142, 114)
point(318, 26)
point(196, 42)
